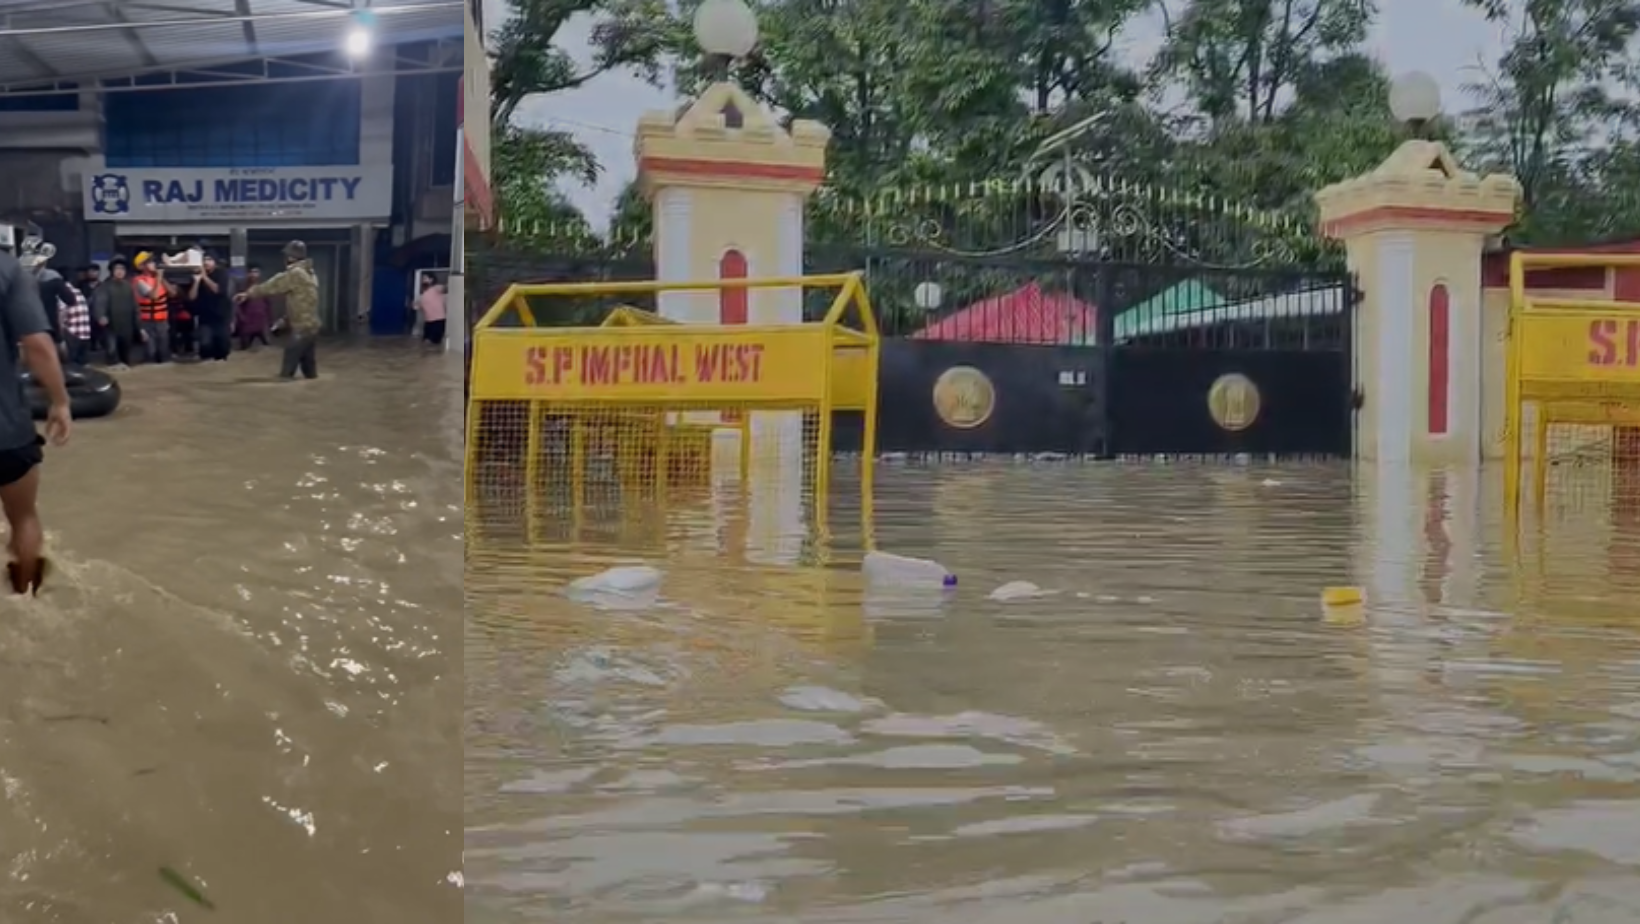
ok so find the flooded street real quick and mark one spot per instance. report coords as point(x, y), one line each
point(244, 680)
point(1172, 735)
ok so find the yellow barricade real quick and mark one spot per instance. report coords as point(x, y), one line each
point(1573, 401)
point(639, 410)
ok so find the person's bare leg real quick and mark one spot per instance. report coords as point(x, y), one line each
point(27, 535)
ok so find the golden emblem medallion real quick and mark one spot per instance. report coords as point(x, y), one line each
point(964, 397)
point(1234, 402)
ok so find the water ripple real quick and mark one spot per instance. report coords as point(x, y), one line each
point(246, 670)
point(1169, 732)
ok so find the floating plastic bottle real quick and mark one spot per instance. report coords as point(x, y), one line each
point(627, 580)
point(900, 571)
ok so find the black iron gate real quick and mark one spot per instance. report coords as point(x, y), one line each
point(1104, 321)
point(1225, 362)
point(1084, 315)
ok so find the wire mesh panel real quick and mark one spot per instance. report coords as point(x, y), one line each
point(1577, 521)
point(645, 415)
point(1573, 404)
point(565, 457)
point(1579, 459)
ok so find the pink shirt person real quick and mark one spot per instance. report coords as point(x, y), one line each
point(432, 303)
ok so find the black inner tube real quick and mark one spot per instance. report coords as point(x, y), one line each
point(91, 393)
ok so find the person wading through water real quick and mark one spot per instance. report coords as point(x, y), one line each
point(208, 295)
point(154, 296)
point(114, 305)
point(26, 330)
point(252, 316)
point(301, 291)
point(431, 304)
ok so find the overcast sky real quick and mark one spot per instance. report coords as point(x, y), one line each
point(1442, 37)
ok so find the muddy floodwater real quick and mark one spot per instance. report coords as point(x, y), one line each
point(241, 690)
point(1169, 732)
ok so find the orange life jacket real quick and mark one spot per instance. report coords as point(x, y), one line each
point(154, 308)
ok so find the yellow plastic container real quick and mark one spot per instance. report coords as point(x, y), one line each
point(1342, 596)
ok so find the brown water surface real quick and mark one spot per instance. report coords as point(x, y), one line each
point(1172, 735)
point(246, 671)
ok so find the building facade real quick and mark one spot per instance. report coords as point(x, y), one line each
point(241, 169)
point(174, 160)
point(478, 203)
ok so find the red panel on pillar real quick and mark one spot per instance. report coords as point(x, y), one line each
point(732, 303)
point(1440, 357)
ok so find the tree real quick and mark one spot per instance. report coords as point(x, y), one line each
point(912, 92)
point(1066, 51)
point(633, 222)
point(940, 110)
point(528, 62)
point(1337, 125)
point(1549, 116)
point(527, 164)
point(1243, 58)
point(626, 34)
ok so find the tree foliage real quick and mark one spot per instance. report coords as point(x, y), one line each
point(530, 61)
point(527, 164)
point(1256, 103)
point(1244, 59)
point(1557, 112)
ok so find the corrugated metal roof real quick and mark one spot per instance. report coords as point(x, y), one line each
point(129, 37)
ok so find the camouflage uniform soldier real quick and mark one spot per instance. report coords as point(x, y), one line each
point(300, 287)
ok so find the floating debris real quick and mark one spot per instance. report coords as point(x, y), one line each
point(189, 891)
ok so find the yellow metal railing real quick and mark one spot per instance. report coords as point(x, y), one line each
point(1554, 360)
point(639, 359)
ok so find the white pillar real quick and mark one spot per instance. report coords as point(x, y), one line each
point(674, 258)
point(1414, 229)
point(1390, 543)
point(719, 184)
point(777, 437)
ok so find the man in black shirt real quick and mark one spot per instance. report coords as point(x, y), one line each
point(90, 277)
point(214, 311)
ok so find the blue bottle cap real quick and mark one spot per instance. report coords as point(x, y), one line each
point(950, 580)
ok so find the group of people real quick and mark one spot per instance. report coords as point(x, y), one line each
point(45, 318)
point(137, 305)
point(193, 311)
point(202, 316)
point(195, 308)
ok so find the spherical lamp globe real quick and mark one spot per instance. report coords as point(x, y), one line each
point(726, 27)
point(1415, 98)
point(928, 296)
